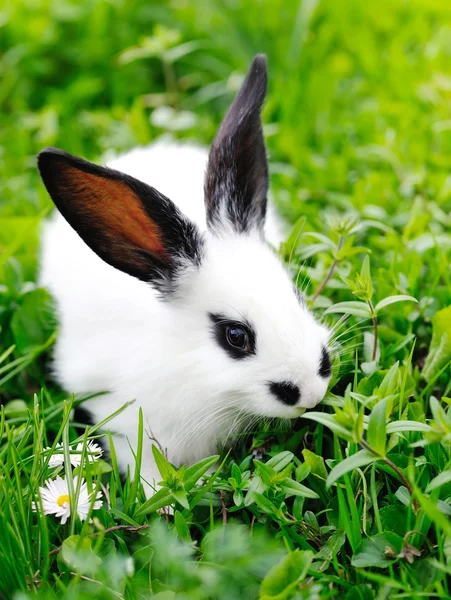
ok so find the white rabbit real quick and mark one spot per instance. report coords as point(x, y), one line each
point(191, 314)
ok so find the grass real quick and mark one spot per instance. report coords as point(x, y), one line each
point(353, 501)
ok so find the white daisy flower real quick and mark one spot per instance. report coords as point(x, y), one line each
point(56, 459)
point(93, 452)
point(56, 501)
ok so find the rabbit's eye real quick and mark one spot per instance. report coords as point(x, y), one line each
point(237, 337)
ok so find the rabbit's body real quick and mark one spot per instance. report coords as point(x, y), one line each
point(112, 325)
point(199, 322)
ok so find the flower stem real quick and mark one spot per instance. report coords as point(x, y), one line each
point(68, 468)
point(375, 329)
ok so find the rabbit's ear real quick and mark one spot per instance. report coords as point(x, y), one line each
point(236, 181)
point(126, 222)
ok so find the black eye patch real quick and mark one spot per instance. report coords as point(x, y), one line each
point(325, 366)
point(235, 337)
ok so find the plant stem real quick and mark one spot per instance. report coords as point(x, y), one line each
point(224, 508)
point(395, 468)
point(375, 329)
point(73, 494)
point(330, 272)
point(100, 583)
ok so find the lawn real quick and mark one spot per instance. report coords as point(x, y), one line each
point(353, 501)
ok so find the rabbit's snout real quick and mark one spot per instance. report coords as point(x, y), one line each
point(299, 396)
point(286, 392)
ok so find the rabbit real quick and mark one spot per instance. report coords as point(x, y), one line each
point(183, 307)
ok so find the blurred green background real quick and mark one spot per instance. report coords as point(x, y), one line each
point(353, 85)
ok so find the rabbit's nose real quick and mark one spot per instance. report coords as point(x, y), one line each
point(286, 392)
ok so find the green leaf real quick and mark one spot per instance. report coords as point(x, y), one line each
point(100, 467)
point(285, 576)
point(389, 384)
point(165, 468)
point(316, 464)
point(380, 550)
point(400, 426)
point(347, 251)
point(402, 493)
point(195, 472)
point(360, 459)
point(368, 385)
point(264, 504)
point(330, 422)
point(238, 498)
point(266, 472)
point(440, 348)
point(159, 500)
point(440, 416)
point(332, 546)
point(352, 307)
point(179, 494)
point(256, 486)
point(280, 460)
point(32, 323)
point(376, 434)
point(394, 518)
point(439, 480)
point(181, 526)
point(365, 276)
point(321, 238)
point(311, 249)
point(302, 471)
point(294, 488)
point(77, 554)
point(392, 299)
point(236, 473)
point(311, 520)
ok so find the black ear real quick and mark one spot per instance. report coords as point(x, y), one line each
point(236, 182)
point(126, 222)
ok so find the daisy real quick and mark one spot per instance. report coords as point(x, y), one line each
point(93, 452)
point(56, 501)
point(56, 459)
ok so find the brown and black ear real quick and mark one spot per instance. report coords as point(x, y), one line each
point(129, 224)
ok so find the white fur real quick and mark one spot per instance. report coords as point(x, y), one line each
point(116, 335)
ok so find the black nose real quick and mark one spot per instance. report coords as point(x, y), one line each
point(286, 392)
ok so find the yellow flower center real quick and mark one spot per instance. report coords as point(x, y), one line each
point(62, 500)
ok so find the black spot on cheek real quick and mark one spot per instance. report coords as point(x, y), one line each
point(288, 393)
point(325, 367)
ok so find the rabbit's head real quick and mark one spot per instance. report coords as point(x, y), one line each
point(230, 294)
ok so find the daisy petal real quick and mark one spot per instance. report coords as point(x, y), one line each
point(55, 499)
